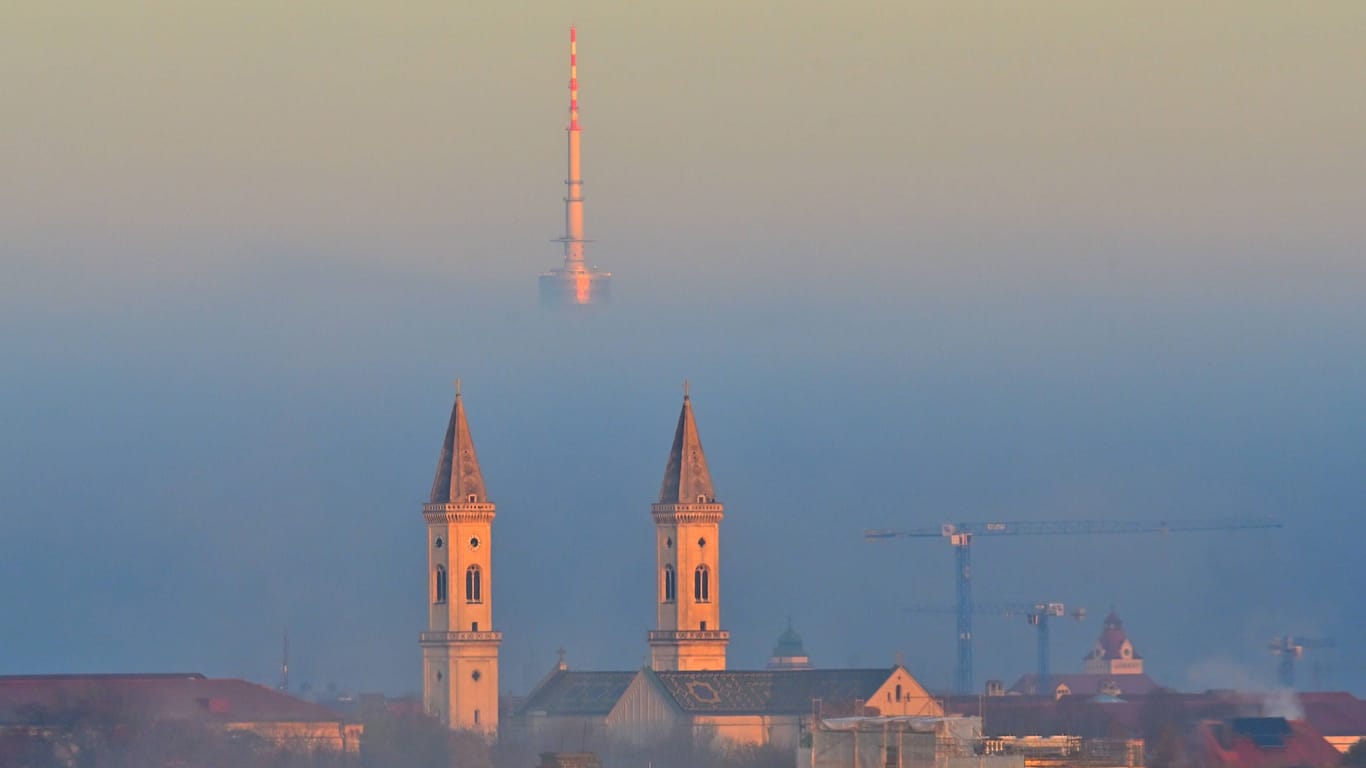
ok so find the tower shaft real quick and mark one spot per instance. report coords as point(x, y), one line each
point(460, 646)
point(573, 201)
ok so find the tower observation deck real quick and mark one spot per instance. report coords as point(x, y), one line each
point(575, 283)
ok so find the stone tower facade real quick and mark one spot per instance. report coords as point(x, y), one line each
point(688, 634)
point(460, 646)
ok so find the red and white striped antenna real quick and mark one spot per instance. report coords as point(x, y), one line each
point(573, 201)
point(573, 78)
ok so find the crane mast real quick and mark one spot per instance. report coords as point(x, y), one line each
point(1036, 614)
point(961, 535)
point(1291, 648)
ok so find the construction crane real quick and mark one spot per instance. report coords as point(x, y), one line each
point(1036, 614)
point(1291, 649)
point(960, 536)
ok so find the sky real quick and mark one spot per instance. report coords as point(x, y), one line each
point(920, 262)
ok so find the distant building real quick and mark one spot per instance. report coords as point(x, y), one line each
point(788, 652)
point(687, 689)
point(901, 742)
point(1263, 742)
point(1113, 654)
point(1082, 684)
point(1112, 668)
point(584, 709)
point(41, 706)
point(1339, 717)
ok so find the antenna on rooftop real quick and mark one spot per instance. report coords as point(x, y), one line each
point(284, 664)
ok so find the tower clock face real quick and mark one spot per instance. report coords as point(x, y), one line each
point(474, 542)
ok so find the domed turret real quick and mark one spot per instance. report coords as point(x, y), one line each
point(788, 652)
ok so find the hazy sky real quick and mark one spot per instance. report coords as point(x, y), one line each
point(921, 263)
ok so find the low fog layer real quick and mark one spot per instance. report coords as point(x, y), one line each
point(920, 264)
point(188, 477)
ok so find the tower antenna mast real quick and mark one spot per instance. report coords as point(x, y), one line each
point(573, 200)
point(574, 283)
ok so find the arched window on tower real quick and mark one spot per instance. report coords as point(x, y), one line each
point(670, 584)
point(441, 584)
point(701, 584)
point(474, 586)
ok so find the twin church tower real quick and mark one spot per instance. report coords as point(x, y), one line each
point(460, 646)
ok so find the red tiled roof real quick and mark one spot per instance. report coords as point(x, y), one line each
point(1335, 713)
point(1268, 742)
point(171, 696)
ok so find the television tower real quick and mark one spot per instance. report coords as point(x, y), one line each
point(575, 283)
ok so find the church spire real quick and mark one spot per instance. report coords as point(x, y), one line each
point(688, 634)
point(460, 646)
point(458, 479)
point(686, 477)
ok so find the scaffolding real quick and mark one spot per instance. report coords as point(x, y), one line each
point(1068, 751)
point(901, 742)
point(952, 742)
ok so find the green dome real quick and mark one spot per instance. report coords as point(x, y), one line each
point(789, 645)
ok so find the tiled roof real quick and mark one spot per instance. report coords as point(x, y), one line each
point(1267, 742)
point(1335, 713)
point(458, 479)
point(686, 477)
point(1087, 684)
point(578, 693)
point(772, 692)
point(171, 696)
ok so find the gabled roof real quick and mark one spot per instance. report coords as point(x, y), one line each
point(775, 692)
point(1110, 644)
point(578, 693)
point(162, 696)
point(458, 479)
point(686, 477)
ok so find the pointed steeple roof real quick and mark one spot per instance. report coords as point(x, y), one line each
point(458, 479)
point(686, 478)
